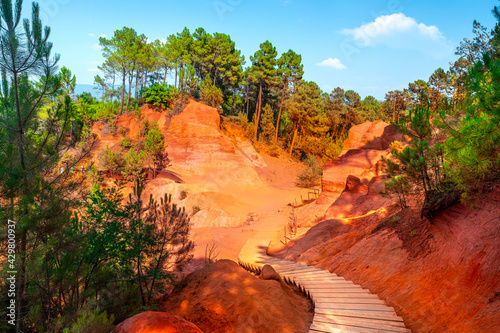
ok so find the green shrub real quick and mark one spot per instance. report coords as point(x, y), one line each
point(160, 95)
point(400, 187)
point(196, 209)
point(310, 176)
point(92, 321)
point(210, 94)
point(110, 160)
point(183, 195)
point(125, 143)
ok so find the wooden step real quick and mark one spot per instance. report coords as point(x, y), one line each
point(363, 307)
point(381, 315)
point(386, 325)
point(329, 327)
point(347, 300)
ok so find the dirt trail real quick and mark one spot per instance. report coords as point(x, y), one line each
point(266, 210)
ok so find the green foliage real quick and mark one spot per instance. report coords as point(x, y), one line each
point(161, 95)
point(472, 150)
point(155, 148)
point(134, 164)
point(183, 195)
point(210, 94)
point(268, 129)
point(196, 209)
point(400, 187)
point(92, 321)
point(125, 143)
point(310, 176)
point(421, 162)
point(112, 160)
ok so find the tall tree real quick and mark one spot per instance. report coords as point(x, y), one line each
point(290, 70)
point(29, 144)
point(263, 73)
point(304, 105)
point(439, 88)
point(120, 51)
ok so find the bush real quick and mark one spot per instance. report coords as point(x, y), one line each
point(311, 176)
point(210, 94)
point(110, 160)
point(242, 120)
point(92, 321)
point(160, 95)
point(273, 150)
point(125, 143)
point(196, 209)
point(400, 187)
point(325, 148)
point(183, 195)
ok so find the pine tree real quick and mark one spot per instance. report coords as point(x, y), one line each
point(263, 73)
point(268, 129)
point(291, 70)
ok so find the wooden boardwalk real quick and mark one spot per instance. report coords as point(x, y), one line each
point(340, 305)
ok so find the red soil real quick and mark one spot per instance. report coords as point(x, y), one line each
point(223, 297)
point(156, 322)
point(440, 276)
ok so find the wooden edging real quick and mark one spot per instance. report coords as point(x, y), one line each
point(339, 305)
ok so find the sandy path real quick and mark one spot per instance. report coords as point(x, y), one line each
point(270, 213)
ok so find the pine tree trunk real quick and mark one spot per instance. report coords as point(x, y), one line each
point(113, 89)
point(279, 114)
point(259, 108)
point(165, 76)
point(130, 80)
point(176, 77)
point(137, 84)
point(248, 88)
point(123, 92)
point(294, 137)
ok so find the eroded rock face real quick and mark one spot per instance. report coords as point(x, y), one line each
point(361, 163)
point(361, 158)
point(156, 322)
point(225, 298)
point(439, 275)
point(358, 199)
point(197, 147)
point(376, 135)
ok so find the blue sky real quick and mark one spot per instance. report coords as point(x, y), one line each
point(368, 46)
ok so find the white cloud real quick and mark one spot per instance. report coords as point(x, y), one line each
point(332, 63)
point(403, 32)
point(93, 70)
point(104, 35)
point(91, 35)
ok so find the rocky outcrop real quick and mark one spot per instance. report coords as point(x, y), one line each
point(197, 147)
point(376, 135)
point(156, 322)
point(362, 163)
point(359, 199)
point(440, 275)
point(224, 298)
point(361, 158)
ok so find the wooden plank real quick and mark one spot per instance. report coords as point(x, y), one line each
point(347, 300)
point(344, 328)
point(382, 315)
point(318, 272)
point(322, 282)
point(362, 294)
point(315, 275)
point(339, 290)
point(364, 307)
point(296, 271)
point(363, 322)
